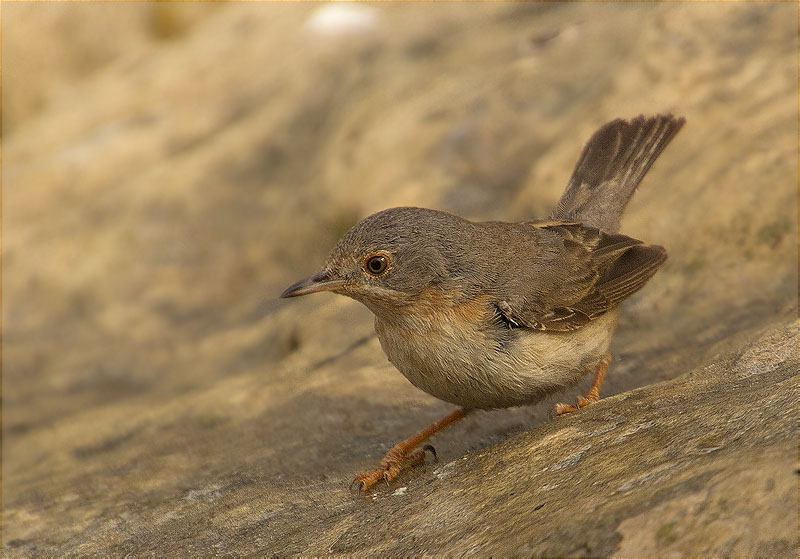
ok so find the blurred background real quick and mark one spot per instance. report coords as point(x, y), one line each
point(169, 168)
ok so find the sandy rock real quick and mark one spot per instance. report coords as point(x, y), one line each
point(158, 398)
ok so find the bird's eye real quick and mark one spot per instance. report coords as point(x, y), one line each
point(376, 265)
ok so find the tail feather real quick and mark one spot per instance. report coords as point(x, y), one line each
point(613, 163)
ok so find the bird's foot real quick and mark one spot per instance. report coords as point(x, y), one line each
point(594, 392)
point(561, 408)
point(407, 453)
point(395, 460)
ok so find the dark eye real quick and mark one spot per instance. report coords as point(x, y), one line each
point(376, 265)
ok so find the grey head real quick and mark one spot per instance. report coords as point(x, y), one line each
point(390, 257)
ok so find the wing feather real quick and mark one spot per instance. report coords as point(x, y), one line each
point(604, 270)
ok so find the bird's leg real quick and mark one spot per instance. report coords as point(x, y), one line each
point(594, 392)
point(406, 453)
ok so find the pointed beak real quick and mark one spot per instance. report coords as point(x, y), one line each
point(318, 282)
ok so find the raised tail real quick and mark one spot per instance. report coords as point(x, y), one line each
point(613, 163)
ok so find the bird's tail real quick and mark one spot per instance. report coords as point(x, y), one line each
point(613, 163)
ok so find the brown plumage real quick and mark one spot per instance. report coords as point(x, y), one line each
point(495, 314)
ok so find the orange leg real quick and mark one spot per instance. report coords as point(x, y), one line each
point(594, 392)
point(406, 453)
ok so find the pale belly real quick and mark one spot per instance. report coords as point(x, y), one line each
point(481, 369)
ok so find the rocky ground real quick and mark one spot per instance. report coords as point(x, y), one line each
point(169, 168)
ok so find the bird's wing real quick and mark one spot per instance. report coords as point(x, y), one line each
point(590, 275)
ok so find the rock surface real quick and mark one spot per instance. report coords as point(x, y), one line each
point(157, 398)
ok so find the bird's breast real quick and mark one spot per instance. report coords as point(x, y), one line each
point(459, 353)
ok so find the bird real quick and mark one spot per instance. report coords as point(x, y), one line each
point(488, 315)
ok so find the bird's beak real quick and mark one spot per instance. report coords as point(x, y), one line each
point(318, 282)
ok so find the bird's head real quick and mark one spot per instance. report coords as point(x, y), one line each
point(391, 257)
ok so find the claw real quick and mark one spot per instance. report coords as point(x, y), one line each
point(429, 447)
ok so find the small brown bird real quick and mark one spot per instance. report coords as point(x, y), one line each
point(492, 315)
